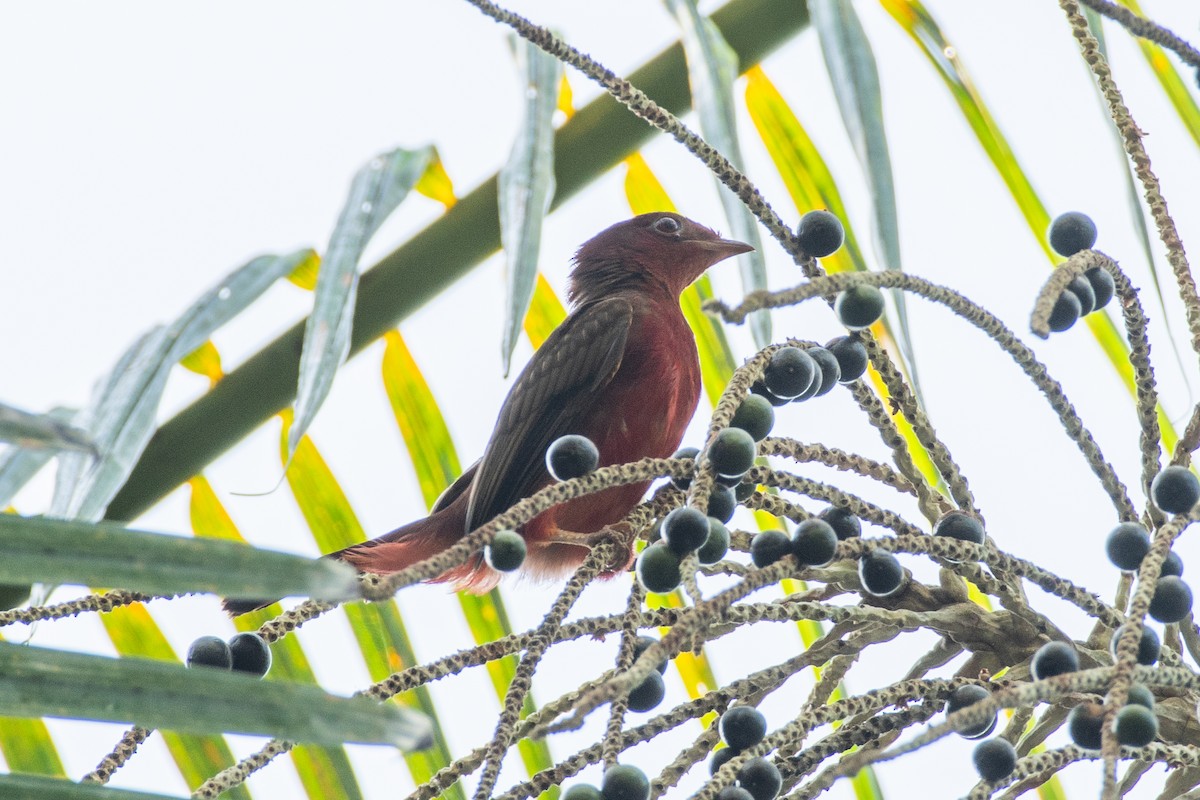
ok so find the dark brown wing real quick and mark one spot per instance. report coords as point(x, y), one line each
point(553, 393)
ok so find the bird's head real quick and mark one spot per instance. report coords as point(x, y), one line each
point(661, 248)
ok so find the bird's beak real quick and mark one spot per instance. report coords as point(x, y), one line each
point(724, 248)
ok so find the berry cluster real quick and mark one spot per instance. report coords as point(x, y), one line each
point(1069, 234)
point(245, 652)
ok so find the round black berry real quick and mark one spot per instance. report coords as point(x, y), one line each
point(624, 782)
point(640, 645)
point(789, 372)
point(744, 489)
point(658, 569)
point(820, 233)
point(760, 778)
point(720, 758)
point(844, 523)
point(1172, 564)
point(969, 695)
point(851, 355)
point(1175, 490)
point(759, 388)
point(685, 530)
point(994, 759)
point(1172, 599)
point(880, 573)
point(647, 694)
point(960, 525)
point(1139, 695)
point(582, 791)
point(1103, 286)
point(1082, 289)
point(1085, 723)
point(721, 504)
point(1065, 313)
point(210, 651)
point(733, 792)
point(755, 416)
point(250, 653)
point(830, 372)
point(814, 543)
point(1054, 658)
point(859, 306)
point(1135, 726)
point(767, 547)
point(682, 484)
point(506, 551)
point(1072, 232)
point(716, 545)
point(742, 727)
point(571, 456)
point(1149, 645)
point(732, 452)
point(1127, 545)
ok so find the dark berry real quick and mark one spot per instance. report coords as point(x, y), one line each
point(969, 695)
point(732, 452)
point(844, 523)
point(682, 484)
point(1065, 313)
point(624, 782)
point(1172, 600)
point(851, 355)
point(720, 758)
point(1127, 545)
point(658, 569)
point(820, 233)
point(880, 573)
point(684, 530)
point(814, 543)
point(1072, 232)
point(728, 481)
point(742, 727)
point(1103, 286)
point(1054, 658)
point(960, 525)
point(744, 489)
point(716, 545)
point(647, 694)
point(1135, 726)
point(250, 653)
point(760, 778)
point(1175, 490)
point(506, 551)
point(721, 504)
point(830, 372)
point(641, 645)
point(210, 651)
point(1149, 645)
point(767, 547)
point(733, 792)
point(994, 759)
point(759, 388)
point(1082, 289)
point(1172, 564)
point(571, 456)
point(582, 791)
point(789, 372)
point(1139, 695)
point(755, 416)
point(859, 306)
point(655, 534)
point(1085, 723)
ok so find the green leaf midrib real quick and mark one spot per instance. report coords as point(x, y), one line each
point(596, 138)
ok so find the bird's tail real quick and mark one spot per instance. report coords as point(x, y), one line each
point(400, 549)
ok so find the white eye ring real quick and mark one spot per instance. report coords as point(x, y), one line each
point(667, 225)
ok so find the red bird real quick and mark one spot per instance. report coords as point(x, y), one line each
point(621, 369)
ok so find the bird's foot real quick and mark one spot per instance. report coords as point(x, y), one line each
point(620, 534)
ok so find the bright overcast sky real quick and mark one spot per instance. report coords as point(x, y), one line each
point(152, 148)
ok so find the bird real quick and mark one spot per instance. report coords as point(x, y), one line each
point(622, 369)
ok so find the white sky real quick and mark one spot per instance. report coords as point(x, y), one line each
point(150, 149)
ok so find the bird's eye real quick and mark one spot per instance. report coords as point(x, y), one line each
point(667, 225)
